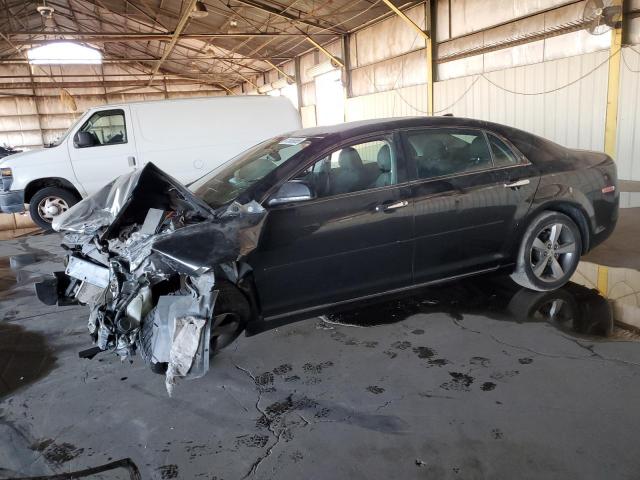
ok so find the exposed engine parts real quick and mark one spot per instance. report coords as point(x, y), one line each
point(146, 266)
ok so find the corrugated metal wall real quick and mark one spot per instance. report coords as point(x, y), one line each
point(31, 117)
point(628, 144)
point(573, 116)
point(402, 102)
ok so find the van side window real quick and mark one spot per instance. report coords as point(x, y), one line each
point(106, 127)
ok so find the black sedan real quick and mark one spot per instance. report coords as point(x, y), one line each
point(322, 217)
point(371, 207)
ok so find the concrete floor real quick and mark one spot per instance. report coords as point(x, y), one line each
point(451, 383)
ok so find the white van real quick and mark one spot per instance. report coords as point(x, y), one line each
point(185, 138)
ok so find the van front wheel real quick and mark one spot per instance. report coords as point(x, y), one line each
point(48, 203)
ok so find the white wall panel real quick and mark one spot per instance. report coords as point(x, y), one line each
point(628, 142)
point(573, 116)
point(472, 15)
point(308, 116)
point(403, 102)
point(388, 39)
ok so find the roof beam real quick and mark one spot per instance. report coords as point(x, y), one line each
point(184, 19)
point(155, 59)
point(407, 20)
point(282, 12)
point(106, 83)
point(109, 37)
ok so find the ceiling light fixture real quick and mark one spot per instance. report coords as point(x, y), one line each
point(199, 10)
point(62, 53)
point(46, 12)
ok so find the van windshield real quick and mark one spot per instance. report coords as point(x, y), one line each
point(61, 138)
point(228, 181)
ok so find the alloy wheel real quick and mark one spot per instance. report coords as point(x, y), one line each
point(50, 207)
point(553, 252)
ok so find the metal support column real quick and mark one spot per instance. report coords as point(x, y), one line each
point(428, 38)
point(613, 89)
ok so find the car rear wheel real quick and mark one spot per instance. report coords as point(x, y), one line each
point(549, 252)
point(48, 203)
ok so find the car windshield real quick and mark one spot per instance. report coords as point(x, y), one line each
point(228, 181)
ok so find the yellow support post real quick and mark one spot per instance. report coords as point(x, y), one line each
point(613, 89)
point(603, 280)
point(428, 37)
point(430, 70)
point(336, 61)
point(289, 78)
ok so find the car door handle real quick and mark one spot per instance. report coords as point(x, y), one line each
point(132, 161)
point(519, 183)
point(389, 207)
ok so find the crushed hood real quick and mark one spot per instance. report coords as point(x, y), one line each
point(114, 200)
point(145, 255)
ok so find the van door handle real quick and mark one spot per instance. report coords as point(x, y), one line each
point(391, 206)
point(132, 161)
point(519, 183)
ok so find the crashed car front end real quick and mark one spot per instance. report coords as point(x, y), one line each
point(146, 256)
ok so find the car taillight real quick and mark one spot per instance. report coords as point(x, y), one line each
point(609, 189)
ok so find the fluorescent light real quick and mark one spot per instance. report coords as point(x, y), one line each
point(61, 53)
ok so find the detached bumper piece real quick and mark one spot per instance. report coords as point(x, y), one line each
point(143, 255)
point(12, 201)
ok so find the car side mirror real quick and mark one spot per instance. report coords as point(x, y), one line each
point(83, 139)
point(292, 192)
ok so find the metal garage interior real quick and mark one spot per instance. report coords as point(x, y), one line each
point(445, 385)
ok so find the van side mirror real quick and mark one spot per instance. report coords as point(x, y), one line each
point(83, 139)
point(291, 192)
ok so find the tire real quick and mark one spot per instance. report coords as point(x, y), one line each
point(549, 252)
point(232, 312)
point(50, 198)
point(558, 308)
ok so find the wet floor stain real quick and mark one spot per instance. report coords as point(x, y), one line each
point(480, 361)
point(8, 278)
point(168, 472)
point(57, 453)
point(277, 410)
point(316, 368)
point(282, 369)
point(265, 380)
point(573, 309)
point(459, 381)
point(488, 386)
point(376, 390)
point(24, 357)
point(252, 441)
point(13, 273)
point(424, 352)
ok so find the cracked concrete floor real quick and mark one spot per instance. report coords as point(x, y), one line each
point(443, 385)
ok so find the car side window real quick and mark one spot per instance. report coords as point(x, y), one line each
point(106, 127)
point(447, 151)
point(353, 168)
point(503, 156)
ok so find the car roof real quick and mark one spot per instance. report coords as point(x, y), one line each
point(382, 124)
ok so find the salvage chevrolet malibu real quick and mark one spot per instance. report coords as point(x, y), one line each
point(308, 221)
